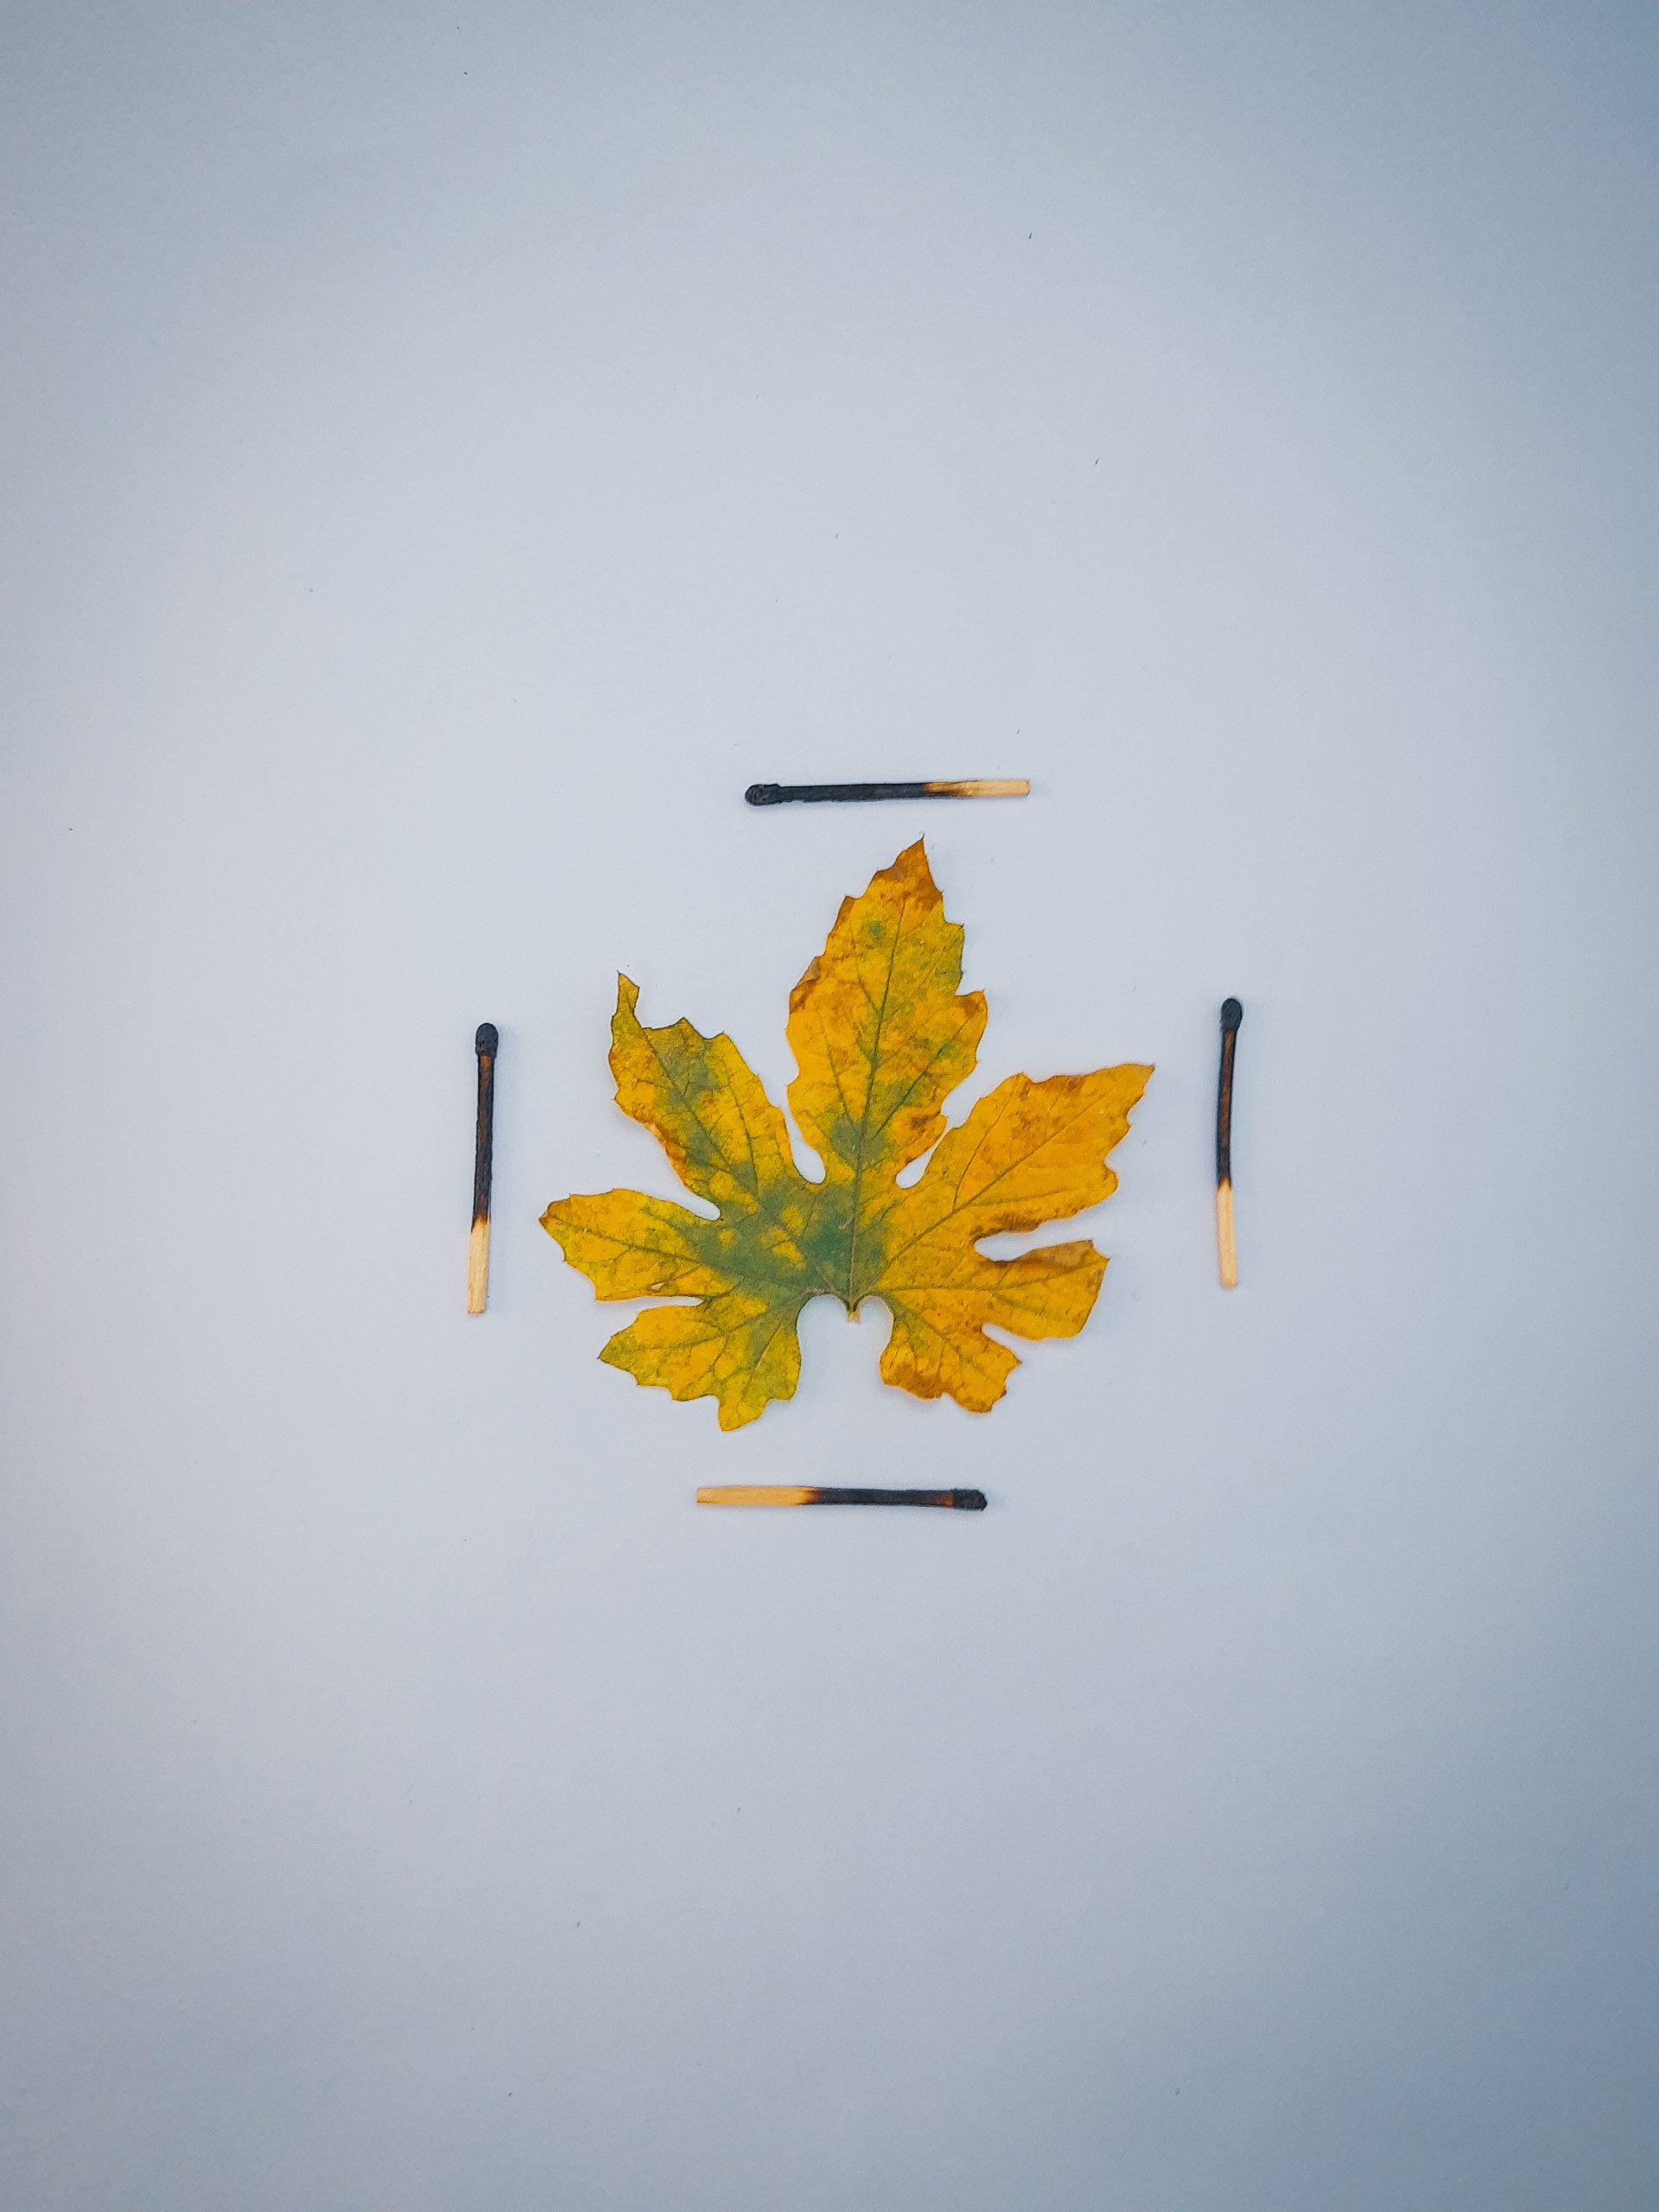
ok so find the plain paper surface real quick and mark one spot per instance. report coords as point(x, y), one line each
point(450, 455)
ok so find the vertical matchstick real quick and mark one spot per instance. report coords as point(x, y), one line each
point(478, 1250)
point(1232, 1014)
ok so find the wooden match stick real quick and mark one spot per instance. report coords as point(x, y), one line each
point(968, 787)
point(1232, 1014)
point(965, 1501)
point(486, 1045)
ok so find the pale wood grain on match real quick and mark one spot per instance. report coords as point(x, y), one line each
point(477, 1267)
point(1224, 1240)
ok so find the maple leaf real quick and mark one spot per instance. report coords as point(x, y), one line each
point(881, 1037)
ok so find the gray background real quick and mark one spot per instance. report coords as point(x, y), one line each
point(450, 452)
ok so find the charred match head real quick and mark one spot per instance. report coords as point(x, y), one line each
point(488, 1039)
point(1231, 1014)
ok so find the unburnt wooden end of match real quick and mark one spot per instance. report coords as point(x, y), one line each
point(964, 787)
point(486, 1045)
point(1232, 1014)
point(961, 1501)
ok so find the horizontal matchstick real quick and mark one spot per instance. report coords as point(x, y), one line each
point(966, 787)
point(965, 1501)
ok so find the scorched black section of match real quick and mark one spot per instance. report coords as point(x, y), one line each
point(487, 1044)
point(1232, 1014)
point(963, 1501)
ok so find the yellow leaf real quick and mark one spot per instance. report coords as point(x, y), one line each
point(881, 1037)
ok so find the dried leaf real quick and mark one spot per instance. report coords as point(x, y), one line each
point(881, 1037)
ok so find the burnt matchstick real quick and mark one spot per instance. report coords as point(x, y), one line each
point(963, 1501)
point(486, 1045)
point(966, 787)
point(1232, 1014)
